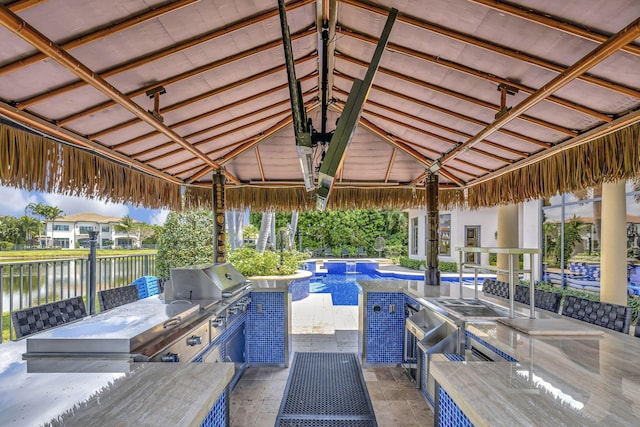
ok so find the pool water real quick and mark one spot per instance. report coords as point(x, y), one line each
point(344, 289)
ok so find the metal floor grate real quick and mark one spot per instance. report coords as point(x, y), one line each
point(324, 390)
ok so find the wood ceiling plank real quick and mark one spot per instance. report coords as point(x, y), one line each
point(492, 47)
point(164, 52)
point(23, 30)
point(129, 22)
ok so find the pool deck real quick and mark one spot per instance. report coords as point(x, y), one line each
point(319, 326)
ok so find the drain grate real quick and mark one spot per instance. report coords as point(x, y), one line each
point(324, 390)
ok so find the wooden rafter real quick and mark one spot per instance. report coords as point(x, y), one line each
point(164, 52)
point(436, 125)
point(211, 129)
point(453, 143)
point(215, 92)
point(434, 59)
point(210, 113)
point(20, 5)
point(622, 38)
point(390, 166)
point(187, 74)
point(211, 153)
point(259, 161)
point(452, 113)
point(458, 95)
point(554, 23)
point(492, 47)
point(23, 30)
point(108, 30)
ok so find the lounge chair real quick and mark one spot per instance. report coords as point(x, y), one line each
point(361, 253)
point(327, 252)
point(345, 253)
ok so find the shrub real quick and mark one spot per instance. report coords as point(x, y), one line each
point(450, 267)
point(250, 262)
point(410, 263)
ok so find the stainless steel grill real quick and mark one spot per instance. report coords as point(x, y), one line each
point(206, 282)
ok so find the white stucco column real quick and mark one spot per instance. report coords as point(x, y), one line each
point(613, 258)
point(507, 237)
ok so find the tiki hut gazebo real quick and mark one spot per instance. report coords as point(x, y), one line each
point(138, 101)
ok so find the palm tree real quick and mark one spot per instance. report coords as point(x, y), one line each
point(30, 227)
point(125, 225)
point(45, 212)
point(53, 213)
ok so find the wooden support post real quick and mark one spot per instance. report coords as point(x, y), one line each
point(219, 239)
point(432, 274)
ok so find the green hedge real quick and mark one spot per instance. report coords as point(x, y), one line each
point(250, 262)
point(449, 267)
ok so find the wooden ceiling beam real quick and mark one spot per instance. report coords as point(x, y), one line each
point(436, 125)
point(163, 53)
point(29, 34)
point(406, 149)
point(553, 23)
point(461, 96)
point(187, 74)
point(455, 114)
point(431, 134)
point(599, 54)
point(210, 129)
point(492, 47)
point(259, 161)
point(437, 60)
point(20, 5)
point(215, 92)
point(106, 31)
point(390, 166)
point(211, 153)
point(212, 113)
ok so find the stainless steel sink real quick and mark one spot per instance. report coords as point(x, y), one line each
point(422, 322)
point(471, 308)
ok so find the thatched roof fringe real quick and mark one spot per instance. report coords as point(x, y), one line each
point(609, 158)
point(35, 163)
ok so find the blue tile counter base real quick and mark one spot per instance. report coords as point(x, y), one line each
point(266, 330)
point(385, 330)
point(217, 416)
point(299, 289)
point(505, 356)
point(450, 413)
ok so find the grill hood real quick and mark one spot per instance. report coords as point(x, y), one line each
point(205, 282)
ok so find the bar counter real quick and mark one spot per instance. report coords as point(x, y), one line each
point(106, 392)
point(558, 380)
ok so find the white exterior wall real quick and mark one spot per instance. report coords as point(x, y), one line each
point(487, 218)
point(73, 235)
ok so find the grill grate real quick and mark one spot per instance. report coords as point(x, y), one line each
point(326, 389)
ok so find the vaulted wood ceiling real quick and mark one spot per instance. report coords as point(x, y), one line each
point(84, 72)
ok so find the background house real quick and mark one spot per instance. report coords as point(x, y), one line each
point(72, 231)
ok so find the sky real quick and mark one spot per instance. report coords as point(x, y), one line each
point(13, 201)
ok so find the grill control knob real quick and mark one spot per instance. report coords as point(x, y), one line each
point(217, 322)
point(194, 340)
point(171, 357)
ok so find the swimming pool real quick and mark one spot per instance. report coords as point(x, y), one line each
point(344, 289)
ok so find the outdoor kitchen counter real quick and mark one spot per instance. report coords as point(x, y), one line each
point(277, 283)
point(106, 392)
point(413, 288)
point(558, 380)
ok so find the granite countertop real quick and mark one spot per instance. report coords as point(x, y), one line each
point(277, 283)
point(558, 380)
point(112, 392)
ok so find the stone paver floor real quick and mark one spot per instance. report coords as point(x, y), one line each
point(318, 326)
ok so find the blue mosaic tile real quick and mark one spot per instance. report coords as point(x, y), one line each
point(217, 416)
point(454, 357)
point(299, 289)
point(469, 335)
point(385, 331)
point(265, 331)
point(450, 413)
